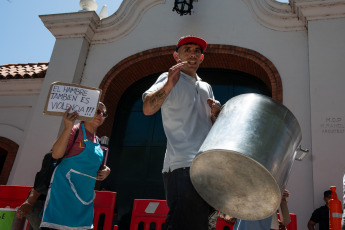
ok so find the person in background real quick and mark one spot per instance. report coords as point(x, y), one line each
point(188, 111)
point(284, 214)
point(33, 205)
point(69, 203)
point(321, 215)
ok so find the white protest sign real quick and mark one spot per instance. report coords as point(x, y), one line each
point(81, 99)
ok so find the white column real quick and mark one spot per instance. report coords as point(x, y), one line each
point(66, 65)
point(327, 82)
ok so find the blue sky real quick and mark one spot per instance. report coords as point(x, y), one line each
point(24, 38)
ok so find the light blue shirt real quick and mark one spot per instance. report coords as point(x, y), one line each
point(264, 224)
point(186, 119)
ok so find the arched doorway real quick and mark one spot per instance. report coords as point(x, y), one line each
point(137, 143)
point(8, 152)
point(153, 61)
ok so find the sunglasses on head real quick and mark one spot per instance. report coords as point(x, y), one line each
point(100, 112)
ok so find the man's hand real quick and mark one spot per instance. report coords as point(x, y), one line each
point(286, 194)
point(26, 207)
point(174, 73)
point(104, 173)
point(227, 218)
point(215, 108)
point(281, 225)
point(23, 210)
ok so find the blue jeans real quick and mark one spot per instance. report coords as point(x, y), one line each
point(187, 210)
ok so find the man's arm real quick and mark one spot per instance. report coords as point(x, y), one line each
point(285, 214)
point(311, 225)
point(26, 207)
point(154, 101)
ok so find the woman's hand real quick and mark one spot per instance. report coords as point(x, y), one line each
point(69, 118)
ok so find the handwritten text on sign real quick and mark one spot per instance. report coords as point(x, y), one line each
point(83, 100)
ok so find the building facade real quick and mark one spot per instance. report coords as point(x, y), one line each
point(292, 52)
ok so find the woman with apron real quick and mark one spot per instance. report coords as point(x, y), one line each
point(69, 203)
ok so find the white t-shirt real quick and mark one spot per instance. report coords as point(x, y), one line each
point(186, 119)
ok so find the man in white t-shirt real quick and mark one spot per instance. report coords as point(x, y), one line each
point(188, 110)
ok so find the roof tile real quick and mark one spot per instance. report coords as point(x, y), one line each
point(23, 70)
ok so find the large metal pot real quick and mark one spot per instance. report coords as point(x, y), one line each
point(244, 163)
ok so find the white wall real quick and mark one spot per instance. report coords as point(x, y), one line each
point(17, 97)
point(327, 84)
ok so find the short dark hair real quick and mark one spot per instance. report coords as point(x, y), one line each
point(327, 193)
point(189, 43)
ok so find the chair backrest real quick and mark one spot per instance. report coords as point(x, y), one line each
point(148, 212)
point(104, 206)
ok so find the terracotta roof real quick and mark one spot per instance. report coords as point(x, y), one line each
point(23, 70)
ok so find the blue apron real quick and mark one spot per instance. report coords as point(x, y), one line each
point(69, 203)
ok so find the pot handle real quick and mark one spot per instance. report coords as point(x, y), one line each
point(305, 151)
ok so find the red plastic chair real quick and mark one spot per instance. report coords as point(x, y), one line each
point(12, 196)
point(148, 212)
point(293, 224)
point(104, 205)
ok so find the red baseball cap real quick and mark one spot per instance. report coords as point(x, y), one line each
point(191, 39)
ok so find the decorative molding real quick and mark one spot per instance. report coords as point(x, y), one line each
point(72, 25)
point(124, 20)
point(15, 87)
point(307, 10)
point(3, 125)
point(275, 15)
point(295, 15)
point(88, 24)
point(270, 13)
